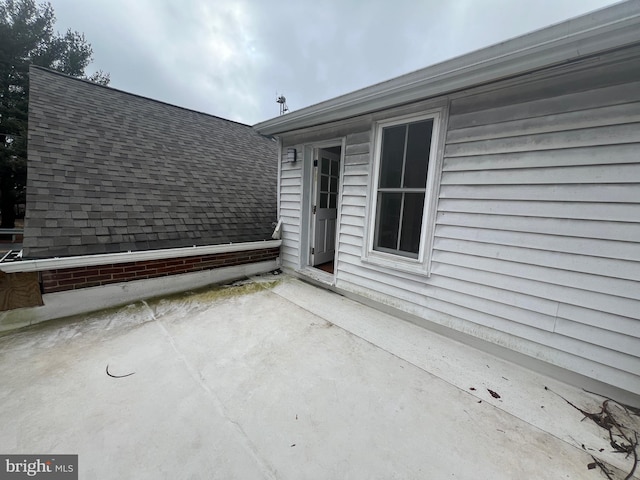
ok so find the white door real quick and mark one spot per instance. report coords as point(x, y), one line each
point(325, 207)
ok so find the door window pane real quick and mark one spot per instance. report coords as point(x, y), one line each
point(324, 200)
point(324, 183)
point(334, 184)
point(334, 168)
point(332, 200)
point(324, 166)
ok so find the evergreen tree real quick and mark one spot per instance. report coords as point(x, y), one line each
point(27, 37)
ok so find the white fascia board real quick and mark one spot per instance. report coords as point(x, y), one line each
point(608, 29)
point(125, 257)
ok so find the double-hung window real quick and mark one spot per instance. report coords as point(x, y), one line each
point(406, 170)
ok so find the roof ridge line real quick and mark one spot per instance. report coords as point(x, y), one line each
point(56, 72)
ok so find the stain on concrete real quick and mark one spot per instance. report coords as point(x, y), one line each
point(116, 320)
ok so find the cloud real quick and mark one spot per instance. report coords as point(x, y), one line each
point(230, 57)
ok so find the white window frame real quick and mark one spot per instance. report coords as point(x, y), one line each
point(422, 264)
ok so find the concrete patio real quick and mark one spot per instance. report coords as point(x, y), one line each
point(274, 378)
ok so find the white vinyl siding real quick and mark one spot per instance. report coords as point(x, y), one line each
point(290, 205)
point(537, 227)
point(536, 241)
point(545, 204)
point(355, 182)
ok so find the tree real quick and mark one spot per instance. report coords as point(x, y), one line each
point(27, 37)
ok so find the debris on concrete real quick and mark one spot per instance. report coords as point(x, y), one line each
point(118, 376)
point(218, 373)
point(493, 394)
point(622, 424)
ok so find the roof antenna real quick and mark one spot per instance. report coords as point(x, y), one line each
point(283, 104)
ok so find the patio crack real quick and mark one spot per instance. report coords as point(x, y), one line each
point(265, 467)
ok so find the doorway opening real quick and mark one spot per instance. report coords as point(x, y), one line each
point(324, 207)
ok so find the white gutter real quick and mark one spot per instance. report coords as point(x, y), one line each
point(125, 257)
point(596, 32)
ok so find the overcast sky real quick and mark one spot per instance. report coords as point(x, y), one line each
point(230, 57)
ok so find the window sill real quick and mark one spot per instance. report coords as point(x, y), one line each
point(393, 262)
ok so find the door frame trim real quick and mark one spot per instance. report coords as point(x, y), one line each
point(307, 224)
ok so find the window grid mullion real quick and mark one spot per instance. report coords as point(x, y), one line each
point(404, 164)
point(400, 221)
point(404, 154)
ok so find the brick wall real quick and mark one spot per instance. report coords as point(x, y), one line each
point(83, 277)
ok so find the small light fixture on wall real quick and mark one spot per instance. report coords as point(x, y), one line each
point(292, 155)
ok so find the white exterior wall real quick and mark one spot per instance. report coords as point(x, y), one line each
point(538, 221)
point(290, 206)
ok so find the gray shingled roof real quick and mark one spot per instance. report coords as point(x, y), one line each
point(109, 171)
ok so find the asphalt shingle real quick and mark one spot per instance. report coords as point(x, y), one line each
point(108, 171)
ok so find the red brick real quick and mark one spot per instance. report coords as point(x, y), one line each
point(175, 261)
point(56, 289)
point(71, 270)
point(145, 262)
point(111, 269)
point(134, 268)
point(156, 264)
point(85, 273)
point(82, 277)
point(210, 263)
point(61, 276)
point(45, 277)
point(98, 278)
point(122, 276)
point(192, 260)
point(70, 281)
point(164, 270)
point(175, 269)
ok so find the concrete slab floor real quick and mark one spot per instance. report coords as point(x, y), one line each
point(275, 378)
